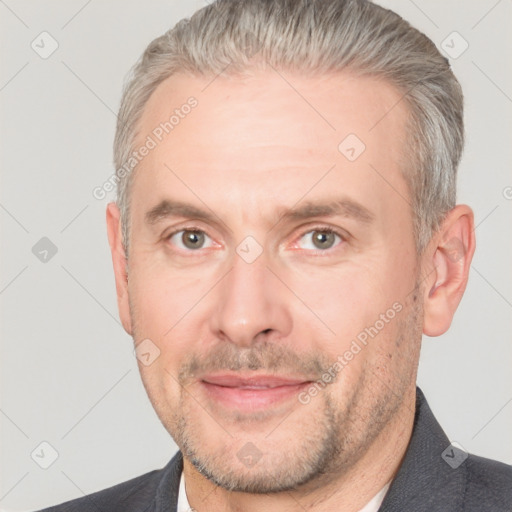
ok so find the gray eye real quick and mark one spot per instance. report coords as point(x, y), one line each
point(323, 239)
point(192, 239)
point(319, 239)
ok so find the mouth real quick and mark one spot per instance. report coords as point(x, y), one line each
point(251, 393)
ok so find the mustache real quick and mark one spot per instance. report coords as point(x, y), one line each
point(270, 357)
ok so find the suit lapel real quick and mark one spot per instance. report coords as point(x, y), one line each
point(425, 481)
point(166, 499)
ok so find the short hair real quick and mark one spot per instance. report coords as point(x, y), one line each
point(315, 37)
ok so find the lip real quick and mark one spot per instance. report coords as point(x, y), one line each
point(262, 381)
point(251, 393)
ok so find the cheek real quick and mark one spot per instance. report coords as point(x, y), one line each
point(170, 308)
point(341, 301)
point(352, 313)
point(161, 296)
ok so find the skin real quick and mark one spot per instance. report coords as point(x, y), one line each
point(252, 149)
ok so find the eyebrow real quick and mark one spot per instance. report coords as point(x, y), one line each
point(168, 208)
point(341, 207)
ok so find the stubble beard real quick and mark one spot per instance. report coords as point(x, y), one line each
point(325, 446)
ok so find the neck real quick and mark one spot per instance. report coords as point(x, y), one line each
point(349, 491)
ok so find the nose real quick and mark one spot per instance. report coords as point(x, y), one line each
point(251, 304)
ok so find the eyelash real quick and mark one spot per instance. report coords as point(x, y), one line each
point(321, 228)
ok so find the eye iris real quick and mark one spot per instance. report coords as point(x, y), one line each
point(192, 239)
point(323, 239)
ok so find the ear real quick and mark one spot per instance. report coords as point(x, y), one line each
point(449, 256)
point(120, 264)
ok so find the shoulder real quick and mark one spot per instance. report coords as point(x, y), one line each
point(489, 483)
point(126, 496)
point(140, 494)
point(427, 481)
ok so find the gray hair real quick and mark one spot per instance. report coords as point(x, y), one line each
point(314, 37)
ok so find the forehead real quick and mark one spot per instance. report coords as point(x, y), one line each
point(255, 136)
point(325, 105)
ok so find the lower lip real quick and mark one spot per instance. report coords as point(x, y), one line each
point(250, 399)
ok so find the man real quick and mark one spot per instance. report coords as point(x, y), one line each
point(285, 231)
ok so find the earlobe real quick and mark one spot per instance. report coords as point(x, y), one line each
point(120, 264)
point(450, 253)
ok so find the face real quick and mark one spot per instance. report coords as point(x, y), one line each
point(272, 264)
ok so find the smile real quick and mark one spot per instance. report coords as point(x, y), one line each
point(247, 394)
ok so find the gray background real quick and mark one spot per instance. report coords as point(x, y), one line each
point(68, 374)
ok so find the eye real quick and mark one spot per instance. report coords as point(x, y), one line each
point(190, 239)
point(319, 239)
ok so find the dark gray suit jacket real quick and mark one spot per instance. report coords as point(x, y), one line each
point(433, 477)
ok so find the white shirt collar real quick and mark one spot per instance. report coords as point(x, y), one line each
point(372, 506)
point(183, 504)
